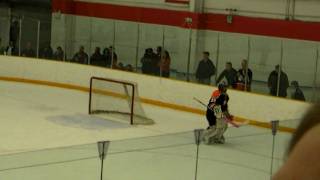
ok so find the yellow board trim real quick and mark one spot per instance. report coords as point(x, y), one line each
point(144, 100)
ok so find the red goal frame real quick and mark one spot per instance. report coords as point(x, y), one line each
point(117, 82)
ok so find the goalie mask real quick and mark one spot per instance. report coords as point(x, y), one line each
point(222, 87)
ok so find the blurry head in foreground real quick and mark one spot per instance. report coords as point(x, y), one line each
point(303, 160)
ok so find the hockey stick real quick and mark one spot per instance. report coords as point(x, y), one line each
point(226, 119)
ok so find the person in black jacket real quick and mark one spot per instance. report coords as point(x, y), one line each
point(298, 94)
point(59, 54)
point(156, 61)
point(97, 58)
point(81, 56)
point(109, 56)
point(230, 74)
point(47, 52)
point(147, 62)
point(273, 82)
point(28, 51)
point(205, 69)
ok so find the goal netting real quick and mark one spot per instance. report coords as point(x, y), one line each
point(116, 100)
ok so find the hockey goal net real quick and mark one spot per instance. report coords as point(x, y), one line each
point(116, 100)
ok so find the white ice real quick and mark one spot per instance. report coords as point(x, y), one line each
point(46, 133)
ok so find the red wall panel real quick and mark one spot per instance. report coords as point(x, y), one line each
point(217, 22)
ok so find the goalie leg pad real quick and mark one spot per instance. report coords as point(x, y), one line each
point(222, 126)
point(209, 134)
point(214, 134)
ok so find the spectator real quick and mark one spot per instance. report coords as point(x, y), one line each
point(115, 64)
point(298, 94)
point(59, 54)
point(156, 59)
point(28, 51)
point(129, 68)
point(205, 69)
point(121, 66)
point(244, 77)
point(230, 74)
point(97, 58)
point(11, 49)
point(81, 57)
point(273, 82)
point(147, 61)
point(106, 59)
point(107, 56)
point(165, 64)
point(113, 55)
point(47, 53)
point(159, 52)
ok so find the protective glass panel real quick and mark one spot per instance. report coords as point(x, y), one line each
point(76, 162)
point(150, 37)
point(232, 50)
point(245, 154)
point(204, 71)
point(265, 54)
point(4, 34)
point(29, 44)
point(124, 55)
point(282, 140)
point(45, 49)
point(299, 59)
point(102, 41)
point(169, 157)
point(317, 80)
point(80, 46)
point(177, 53)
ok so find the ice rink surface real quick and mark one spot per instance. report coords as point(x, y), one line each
point(45, 130)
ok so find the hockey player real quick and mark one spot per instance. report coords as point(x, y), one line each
point(217, 112)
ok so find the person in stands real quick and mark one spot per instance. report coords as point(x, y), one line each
point(205, 69)
point(81, 56)
point(121, 66)
point(47, 52)
point(230, 74)
point(11, 50)
point(115, 64)
point(244, 77)
point(129, 68)
point(298, 94)
point(109, 56)
point(165, 64)
point(273, 82)
point(28, 51)
point(97, 58)
point(147, 61)
point(58, 54)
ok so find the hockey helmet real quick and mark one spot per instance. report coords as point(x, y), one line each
point(222, 87)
